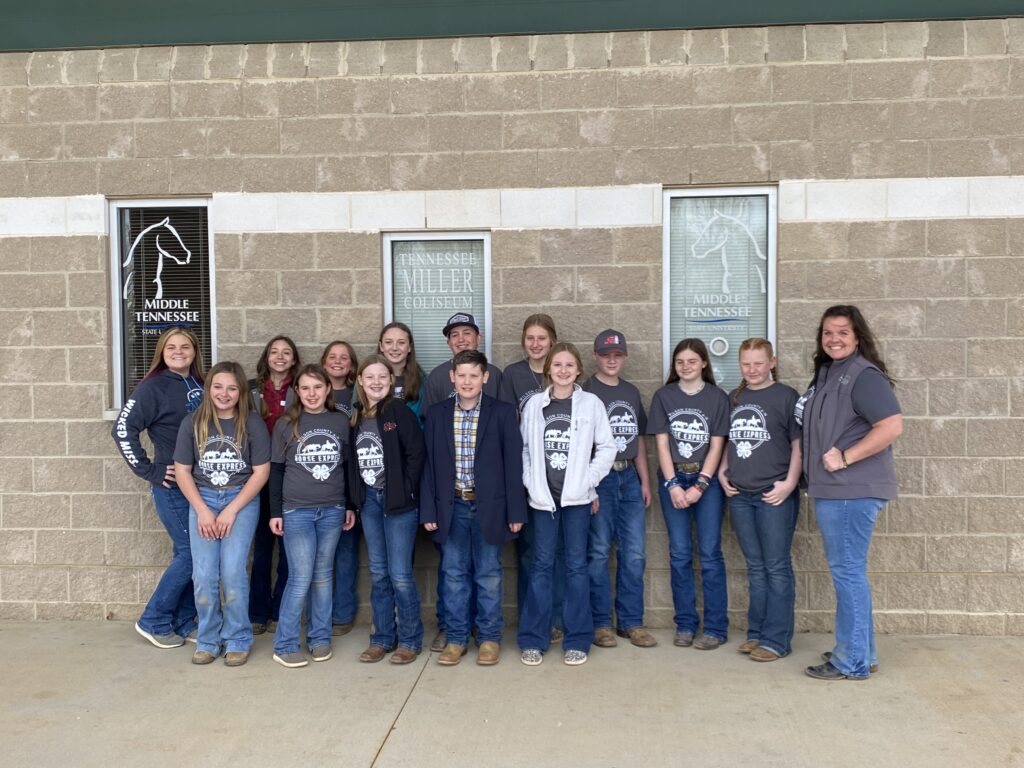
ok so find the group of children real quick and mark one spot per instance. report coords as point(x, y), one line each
point(478, 457)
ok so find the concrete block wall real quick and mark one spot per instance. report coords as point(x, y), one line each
point(898, 149)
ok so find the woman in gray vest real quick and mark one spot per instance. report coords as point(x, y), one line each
point(850, 418)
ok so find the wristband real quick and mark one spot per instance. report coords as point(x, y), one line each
point(842, 455)
point(705, 475)
point(702, 483)
point(670, 484)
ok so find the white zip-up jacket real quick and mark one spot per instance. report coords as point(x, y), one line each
point(592, 450)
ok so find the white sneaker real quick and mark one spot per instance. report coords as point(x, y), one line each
point(531, 657)
point(575, 658)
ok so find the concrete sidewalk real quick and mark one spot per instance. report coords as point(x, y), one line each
point(96, 694)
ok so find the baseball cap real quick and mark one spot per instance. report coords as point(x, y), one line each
point(460, 318)
point(609, 340)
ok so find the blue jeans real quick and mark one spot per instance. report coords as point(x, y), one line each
point(171, 609)
point(765, 534)
point(346, 571)
point(442, 593)
point(524, 560)
point(264, 597)
point(310, 538)
point(846, 526)
point(572, 525)
point(707, 513)
point(217, 562)
point(468, 560)
point(620, 518)
point(390, 540)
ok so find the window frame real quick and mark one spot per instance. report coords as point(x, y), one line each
point(771, 256)
point(388, 238)
point(116, 287)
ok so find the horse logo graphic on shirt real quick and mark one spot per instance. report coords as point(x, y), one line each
point(689, 429)
point(748, 429)
point(221, 460)
point(318, 452)
point(622, 419)
point(370, 456)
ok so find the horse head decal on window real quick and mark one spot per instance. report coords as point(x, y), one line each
point(724, 234)
point(172, 239)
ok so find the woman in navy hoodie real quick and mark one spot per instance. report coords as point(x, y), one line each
point(172, 388)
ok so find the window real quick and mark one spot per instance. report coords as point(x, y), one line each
point(161, 276)
point(430, 277)
point(719, 265)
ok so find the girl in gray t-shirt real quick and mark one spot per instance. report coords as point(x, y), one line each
point(309, 507)
point(759, 473)
point(221, 460)
point(689, 418)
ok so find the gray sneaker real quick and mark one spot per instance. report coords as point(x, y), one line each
point(707, 642)
point(574, 658)
point(161, 641)
point(291, 660)
point(531, 657)
point(321, 652)
point(683, 639)
point(192, 636)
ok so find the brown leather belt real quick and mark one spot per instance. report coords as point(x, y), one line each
point(466, 495)
point(689, 468)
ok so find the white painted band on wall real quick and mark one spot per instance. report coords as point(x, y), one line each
point(555, 207)
point(879, 199)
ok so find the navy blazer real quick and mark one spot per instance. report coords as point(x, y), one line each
point(498, 470)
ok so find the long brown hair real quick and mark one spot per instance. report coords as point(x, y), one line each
point(157, 364)
point(866, 344)
point(694, 345)
point(362, 409)
point(263, 368)
point(753, 344)
point(294, 411)
point(561, 346)
point(206, 413)
point(412, 376)
point(350, 379)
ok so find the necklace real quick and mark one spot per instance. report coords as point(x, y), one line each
point(696, 391)
point(537, 377)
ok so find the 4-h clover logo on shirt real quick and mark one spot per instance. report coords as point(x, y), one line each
point(318, 453)
point(558, 461)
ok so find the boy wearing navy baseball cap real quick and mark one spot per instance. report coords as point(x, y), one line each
point(624, 495)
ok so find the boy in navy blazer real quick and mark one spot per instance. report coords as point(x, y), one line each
point(472, 498)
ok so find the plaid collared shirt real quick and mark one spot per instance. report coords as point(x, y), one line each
point(465, 423)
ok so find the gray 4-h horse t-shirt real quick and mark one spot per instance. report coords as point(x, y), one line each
point(223, 462)
point(690, 420)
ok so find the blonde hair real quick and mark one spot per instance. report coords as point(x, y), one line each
point(157, 364)
point(362, 408)
point(206, 413)
point(749, 345)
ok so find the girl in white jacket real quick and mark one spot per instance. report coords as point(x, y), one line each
point(568, 448)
